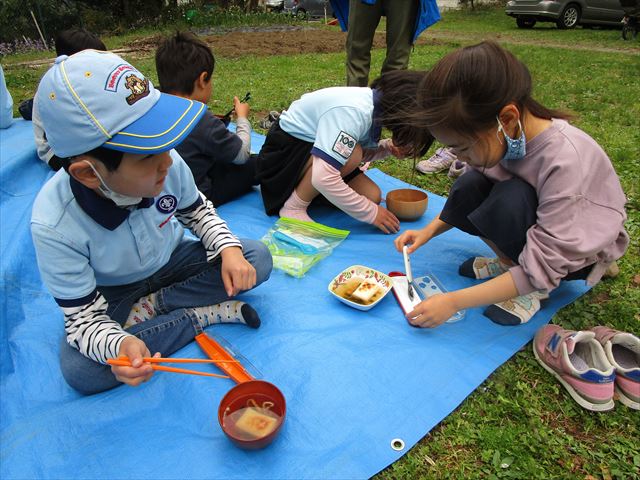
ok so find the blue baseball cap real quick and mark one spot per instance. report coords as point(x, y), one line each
point(94, 99)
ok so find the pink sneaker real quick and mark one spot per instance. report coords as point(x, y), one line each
point(623, 352)
point(579, 363)
point(441, 160)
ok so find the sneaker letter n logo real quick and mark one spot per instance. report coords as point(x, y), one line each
point(553, 343)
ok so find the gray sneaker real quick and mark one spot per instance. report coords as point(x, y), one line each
point(269, 120)
point(441, 160)
point(456, 169)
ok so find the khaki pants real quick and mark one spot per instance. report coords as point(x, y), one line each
point(363, 20)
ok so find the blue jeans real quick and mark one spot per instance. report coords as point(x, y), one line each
point(186, 281)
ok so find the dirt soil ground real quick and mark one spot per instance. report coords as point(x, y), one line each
point(291, 40)
point(263, 42)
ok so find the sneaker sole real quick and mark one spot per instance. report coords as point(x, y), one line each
point(583, 402)
point(625, 400)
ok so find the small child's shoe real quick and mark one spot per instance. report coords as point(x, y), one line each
point(623, 352)
point(579, 363)
point(516, 310)
point(441, 160)
point(456, 169)
point(612, 270)
point(482, 267)
point(269, 120)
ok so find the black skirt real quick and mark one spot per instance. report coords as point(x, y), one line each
point(279, 167)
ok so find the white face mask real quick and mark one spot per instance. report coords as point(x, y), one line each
point(117, 198)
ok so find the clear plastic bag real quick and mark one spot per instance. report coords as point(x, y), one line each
point(297, 245)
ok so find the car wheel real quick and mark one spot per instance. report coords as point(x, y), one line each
point(569, 17)
point(524, 22)
point(301, 13)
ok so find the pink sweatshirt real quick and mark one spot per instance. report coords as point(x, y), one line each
point(580, 208)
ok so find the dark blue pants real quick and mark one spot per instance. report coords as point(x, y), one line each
point(501, 212)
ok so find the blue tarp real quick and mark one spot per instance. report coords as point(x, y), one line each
point(353, 380)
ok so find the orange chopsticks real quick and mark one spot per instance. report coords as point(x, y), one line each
point(125, 362)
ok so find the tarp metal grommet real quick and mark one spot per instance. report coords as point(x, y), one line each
point(397, 444)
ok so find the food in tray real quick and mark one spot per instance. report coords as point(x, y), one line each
point(365, 292)
point(360, 287)
point(359, 290)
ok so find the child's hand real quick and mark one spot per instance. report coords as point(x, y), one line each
point(398, 152)
point(386, 221)
point(139, 372)
point(241, 109)
point(415, 238)
point(433, 311)
point(237, 273)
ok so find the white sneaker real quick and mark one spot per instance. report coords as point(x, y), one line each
point(441, 160)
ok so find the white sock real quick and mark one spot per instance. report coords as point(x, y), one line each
point(144, 309)
point(232, 311)
point(295, 207)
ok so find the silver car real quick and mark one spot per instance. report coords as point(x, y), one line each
point(565, 13)
point(308, 8)
point(274, 5)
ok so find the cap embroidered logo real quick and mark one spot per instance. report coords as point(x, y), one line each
point(139, 88)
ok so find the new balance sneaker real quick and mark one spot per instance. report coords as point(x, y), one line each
point(623, 352)
point(579, 363)
point(441, 160)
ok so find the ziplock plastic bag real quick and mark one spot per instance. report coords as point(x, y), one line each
point(297, 245)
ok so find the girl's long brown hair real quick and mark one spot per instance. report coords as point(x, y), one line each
point(398, 101)
point(467, 88)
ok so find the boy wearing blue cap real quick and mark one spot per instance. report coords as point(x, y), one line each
point(108, 230)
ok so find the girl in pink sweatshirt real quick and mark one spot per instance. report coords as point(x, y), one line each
point(319, 142)
point(539, 191)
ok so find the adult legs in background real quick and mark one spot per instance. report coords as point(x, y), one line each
point(363, 20)
point(401, 21)
point(187, 281)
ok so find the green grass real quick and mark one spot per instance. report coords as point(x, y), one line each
point(488, 21)
point(519, 423)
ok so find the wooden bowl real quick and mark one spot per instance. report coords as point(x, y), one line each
point(407, 203)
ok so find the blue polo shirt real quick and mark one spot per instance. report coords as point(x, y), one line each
point(335, 120)
point(83, 240)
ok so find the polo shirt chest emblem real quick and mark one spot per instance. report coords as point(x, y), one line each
point(166, 204)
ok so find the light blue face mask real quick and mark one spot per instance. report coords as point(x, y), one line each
point(516, 147)
point(117, 198)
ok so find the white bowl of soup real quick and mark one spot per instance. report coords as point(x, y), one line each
point(360, 287)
